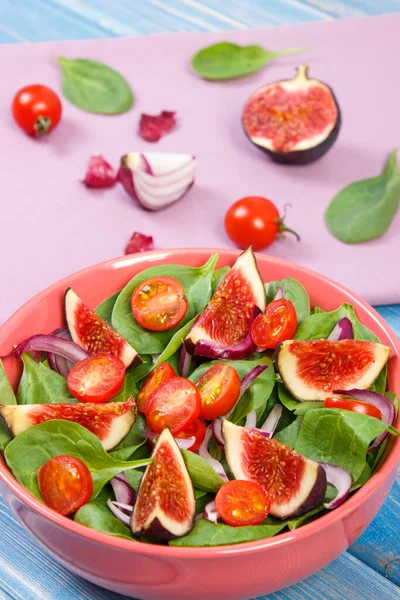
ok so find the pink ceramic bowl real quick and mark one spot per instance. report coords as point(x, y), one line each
point(225, 572)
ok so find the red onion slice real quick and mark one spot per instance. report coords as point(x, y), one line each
point(58, 363)
point(118, 509)
point(250, 377)
point(381, 402)
point(182, 443)
point(122, 490)
point(216, 427)
point(53, 344)
point(213, 462)
point(343, 330)
point(99, 174)
point(139, 242)
point(251, 420)
point(185, 362)
point(210, 512)
point(280, 292)
point(271, 422)
point(341, 479)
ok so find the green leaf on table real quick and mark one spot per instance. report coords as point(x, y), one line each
point(196, 282)
point(36, 445)
point(226, 60)
point(40, 385)
point(95, 87)
point(293, 291)
point(104, 310)
point(205, 533)
point(365, 209)
point(7, 396)
point(338, 436)
point(201, 473)
point(96, 515)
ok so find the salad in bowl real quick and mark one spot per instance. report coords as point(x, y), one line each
point(198, 406)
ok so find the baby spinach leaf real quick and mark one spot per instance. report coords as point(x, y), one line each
point(104, 310)
point(128, 389)
point(365, 209)
point(290, 434)
point(202, 499)
point(7, 396)
point(141, 371)
point(40, 385)
point(375, 457)
point(196, 282)
point(34, 446)
point(365, 475)
point(95, 87)
point(338, 436)
point(256, 396)
point(134, 440)
point(292, 404)
point(201, 473)
point(205, 533)
point(225, 60)
point(293, 291)
point(98, 516)
point(217, 277)
point(134, 477)
point(175, 343)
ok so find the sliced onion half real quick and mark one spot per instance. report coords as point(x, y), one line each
point(156, 179)
point(341, 479)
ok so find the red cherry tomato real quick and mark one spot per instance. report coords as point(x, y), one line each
point(219, 389)
point(65, 484)
point(196, 430)
point(164, 372)
point(97, 378)
point(36, 109)
point(254, 221)
point(242, 503)
point(175, 404)
point(159, 303)
point(354, 405)
point(277, 324)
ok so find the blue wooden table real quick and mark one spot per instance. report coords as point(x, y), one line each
point(370, 570)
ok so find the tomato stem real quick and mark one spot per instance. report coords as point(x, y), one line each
point(42, 125)
point(282, 227)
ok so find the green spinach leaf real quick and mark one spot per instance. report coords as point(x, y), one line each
point(98, 516)
point(205, 533)
point(338, 436)
point(202, 499)
point(7, 396)
point(225, 60)
point(33, 447)
point(128, 389)
point(104, 310)
point(40, 385)
point(256, 396)
point(365, 209)
point(132, 442)
point(175, 343)
point(201, 473)
point(293, 291)
point(290, 434)
point(95, 87)
point(299, 408)
point(217, 277)
point(196, 282)
point(134, 477)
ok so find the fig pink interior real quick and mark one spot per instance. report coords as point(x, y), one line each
point(44, 313)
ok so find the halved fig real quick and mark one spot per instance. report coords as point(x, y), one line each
point(223, 330)
point(295, 121)
point(165, 506)
point(93, 334)
point(312, 369)
point(110, 422)
point(295, 484)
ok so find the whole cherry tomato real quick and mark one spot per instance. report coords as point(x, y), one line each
point(254, 221)
point(36, 109)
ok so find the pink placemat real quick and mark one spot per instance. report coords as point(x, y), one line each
point(51, 225)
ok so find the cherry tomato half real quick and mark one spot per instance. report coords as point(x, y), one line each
point(164, 372)
point(175, 404)
point(196, 430)
point(97, 378)
point(242, 503)
point(254, 221)
point(159, 303)
point(354, 405)
point(65, 484)
point(219, 389)
point(277, 324)
point(36, 109)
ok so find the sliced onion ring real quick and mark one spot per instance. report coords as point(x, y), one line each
point(213, 462)
point(182, 443)
point(271, 422)
point(58, 363)
point(341, 479)
point(251, 420)
point(250, 377)
point(123, 492)
point(381, 402)
point(185, 362)
point(210, 512)
point(50, 343)
point(216, 427)
point(343, 330)
point(118, 511)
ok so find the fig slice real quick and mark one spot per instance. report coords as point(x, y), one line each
point(313, 369)
point(165, 505)
point(109, 422)
point(93, 334)
point(296, 484)
point(295, 121)
point(223, 329)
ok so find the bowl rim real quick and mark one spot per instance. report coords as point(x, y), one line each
point(206, 552)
